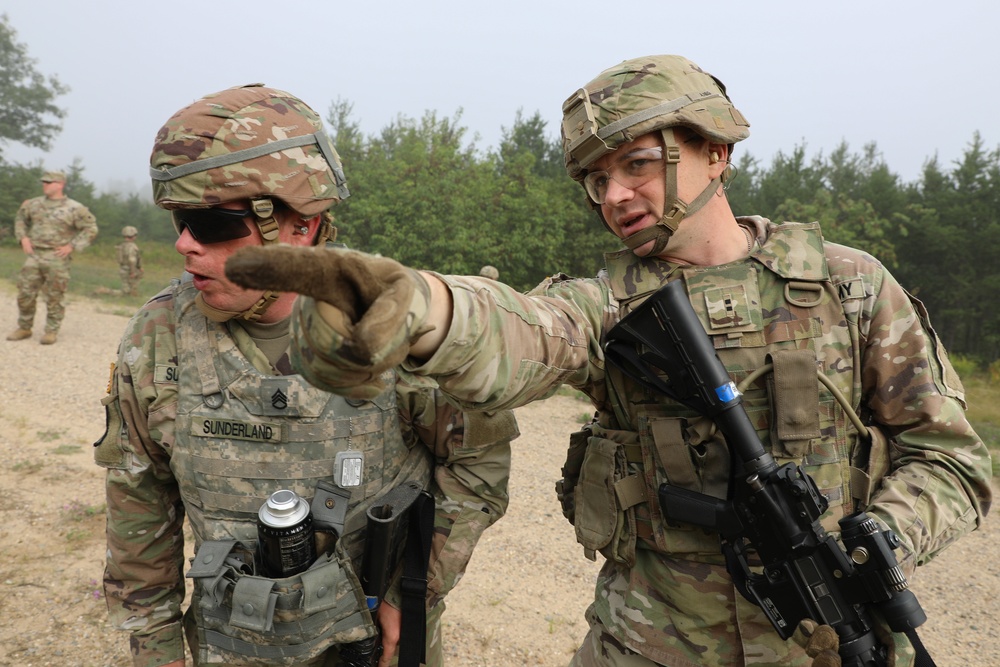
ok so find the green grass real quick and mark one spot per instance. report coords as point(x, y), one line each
point(983, 396)
point(97, 267)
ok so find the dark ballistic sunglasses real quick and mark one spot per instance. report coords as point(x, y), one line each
point(212, 225)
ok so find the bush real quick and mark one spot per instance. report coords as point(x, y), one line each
point(965, 366)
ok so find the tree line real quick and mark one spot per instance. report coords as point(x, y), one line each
point(422, 192)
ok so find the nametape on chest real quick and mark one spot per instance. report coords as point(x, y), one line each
point(164, 374)
point(850, 289)
point(239, 430)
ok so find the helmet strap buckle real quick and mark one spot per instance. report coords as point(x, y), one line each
point(263, 209)
point(255, 311)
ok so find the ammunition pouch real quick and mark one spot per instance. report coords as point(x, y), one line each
point(606, 495)
point(566, 486)
point(275, 621)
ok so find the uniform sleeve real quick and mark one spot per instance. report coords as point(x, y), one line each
point(471, 472)
point(86, 228)
point(505, 349)
point(134, 258)
point(143, 577)
point(938, 484)
point(21, 220)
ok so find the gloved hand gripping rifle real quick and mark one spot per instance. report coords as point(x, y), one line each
point(772, 510)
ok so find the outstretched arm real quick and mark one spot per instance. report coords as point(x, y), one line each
point(372, 309)
point(438, 319)
point(484, 344)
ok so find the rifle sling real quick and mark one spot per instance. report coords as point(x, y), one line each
point(416, 554)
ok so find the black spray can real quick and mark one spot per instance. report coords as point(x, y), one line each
point(285, 535)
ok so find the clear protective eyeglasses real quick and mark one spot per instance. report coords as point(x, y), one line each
point(634, 169)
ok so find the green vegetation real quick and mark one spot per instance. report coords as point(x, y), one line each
point(982, 393)
point(424, 195)
point(28, 113)
point(97, 267)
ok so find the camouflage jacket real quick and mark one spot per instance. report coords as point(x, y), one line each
point(144, 576)
point(129, 256)
point(51, 223)
point(679, 607)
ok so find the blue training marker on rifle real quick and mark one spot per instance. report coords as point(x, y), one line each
point(727, 392)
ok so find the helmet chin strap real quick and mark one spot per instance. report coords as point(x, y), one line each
point(263, 210)
point(674, 208)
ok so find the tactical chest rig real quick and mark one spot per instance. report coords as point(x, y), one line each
point(778, 309)
point(242, 434)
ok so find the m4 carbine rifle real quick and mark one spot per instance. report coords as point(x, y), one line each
point(772, 510)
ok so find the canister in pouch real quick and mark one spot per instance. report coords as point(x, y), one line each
point(285, 535)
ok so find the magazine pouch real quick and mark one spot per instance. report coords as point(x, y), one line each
point(240, 615)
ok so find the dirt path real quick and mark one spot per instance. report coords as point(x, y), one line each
point(521, 603)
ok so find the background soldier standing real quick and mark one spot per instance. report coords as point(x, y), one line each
point(49, 229)
point(129, 261)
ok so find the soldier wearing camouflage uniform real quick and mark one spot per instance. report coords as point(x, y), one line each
point(129, 261)
point(206, 419)
point(49, 228)
point(651, 140)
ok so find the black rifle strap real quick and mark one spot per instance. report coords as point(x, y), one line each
point(923, 657)
point(413, 634)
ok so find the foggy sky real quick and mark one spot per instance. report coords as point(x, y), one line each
point(916, 78)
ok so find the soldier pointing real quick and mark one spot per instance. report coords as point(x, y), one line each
point(650, 141)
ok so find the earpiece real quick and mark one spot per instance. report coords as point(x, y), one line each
point(713, 157)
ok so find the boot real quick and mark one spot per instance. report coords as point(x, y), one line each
point(49, 338)
point(19, 334)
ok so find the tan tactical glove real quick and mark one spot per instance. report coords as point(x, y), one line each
point(362, 314)
point(820, 642)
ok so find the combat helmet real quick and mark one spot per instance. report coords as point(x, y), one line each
point(653, 93)
point(248, 143)
point(129, 230)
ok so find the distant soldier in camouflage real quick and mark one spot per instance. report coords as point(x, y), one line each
point(490, 272)
point(129, 265)
point(650, 140)
point(129, 261)
point(206, 419)
point(49, 228)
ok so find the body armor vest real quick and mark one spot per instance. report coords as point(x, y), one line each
point(242, 434)
point(779, 306)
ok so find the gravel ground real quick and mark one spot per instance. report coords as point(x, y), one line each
point(521, 602)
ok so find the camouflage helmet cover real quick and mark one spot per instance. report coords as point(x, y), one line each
point(129, 230)
point(246, 142)
point(640, 96)
point(54, 177)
